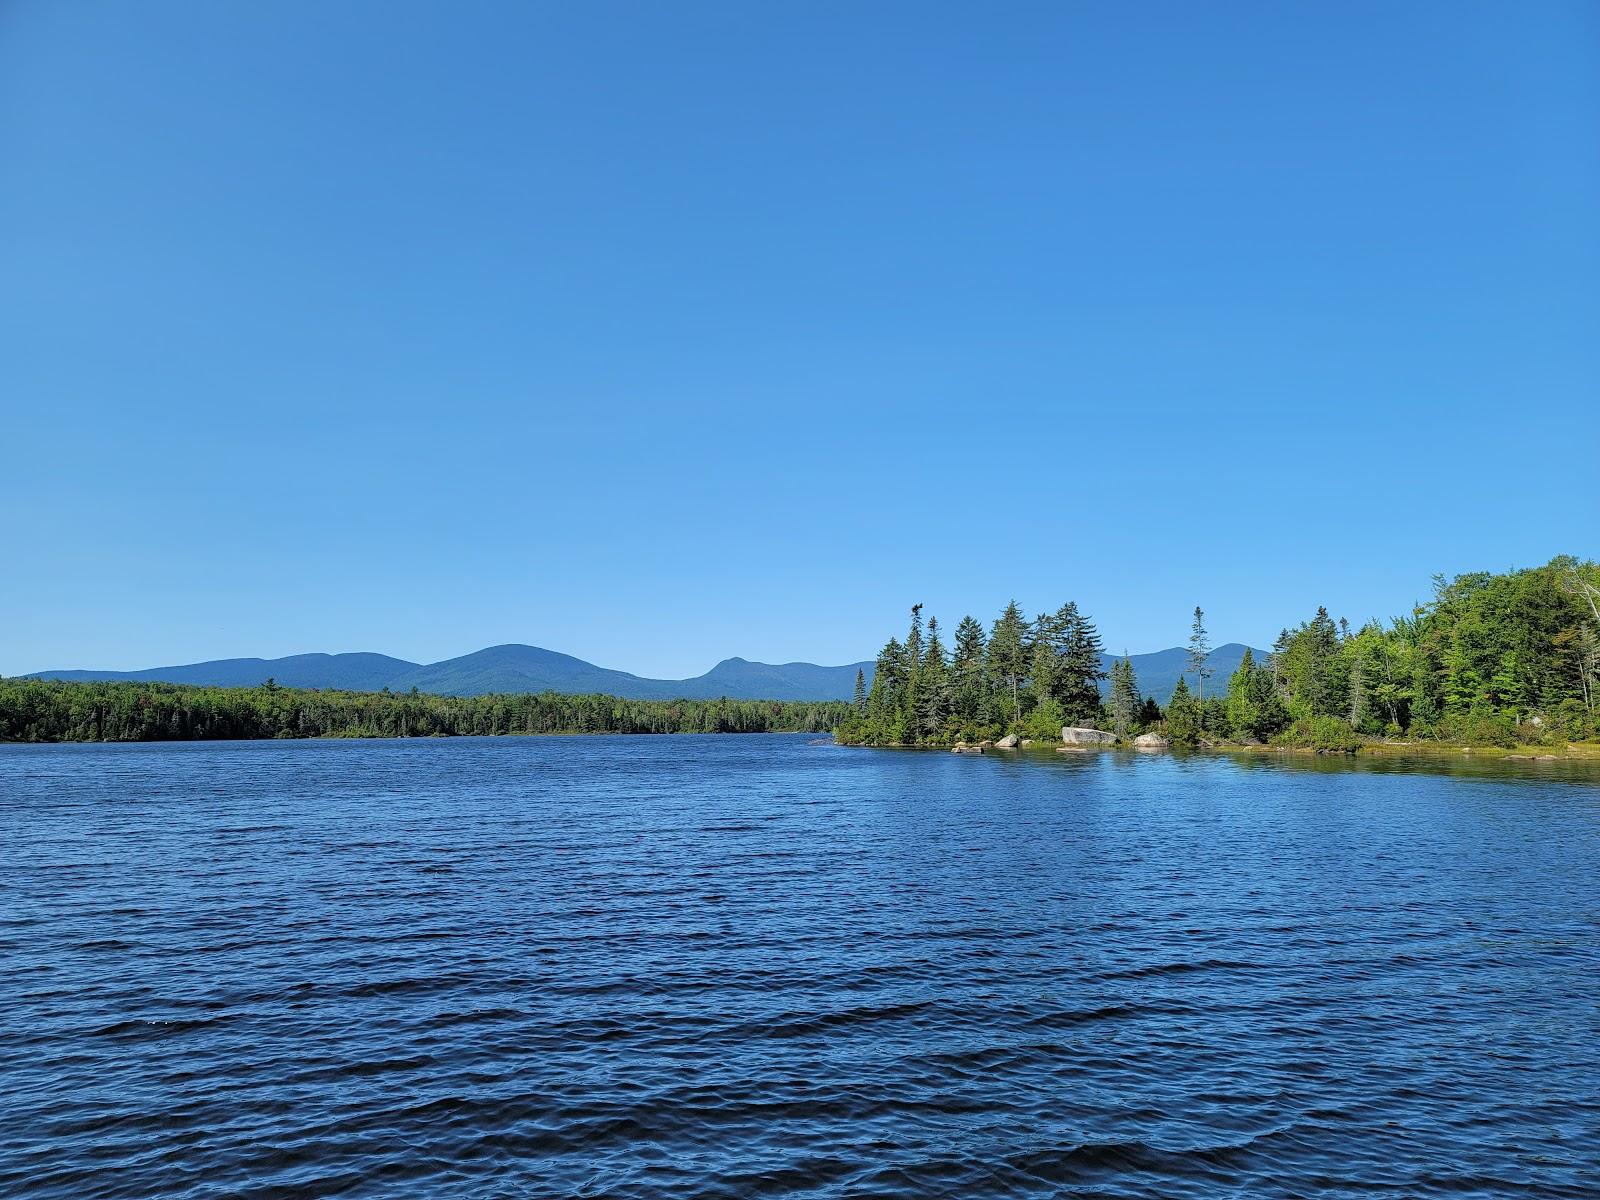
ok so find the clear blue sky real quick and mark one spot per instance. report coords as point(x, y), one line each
point(657, 333)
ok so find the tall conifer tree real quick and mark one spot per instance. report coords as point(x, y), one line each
point(1199, 653)
point(1082, 657)
point(888, 681)
point(933, 688)
point(1008, 656)
point(970, 683)
point(1124, 696)
point(914, 643)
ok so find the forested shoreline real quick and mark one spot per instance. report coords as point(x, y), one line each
point(1491, 660)
point(34, 710)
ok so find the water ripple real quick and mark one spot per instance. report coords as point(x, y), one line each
point(736, 967)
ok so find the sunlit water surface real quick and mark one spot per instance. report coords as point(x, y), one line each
point(753, 966)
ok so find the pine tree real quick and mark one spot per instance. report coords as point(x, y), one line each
point(860, 701)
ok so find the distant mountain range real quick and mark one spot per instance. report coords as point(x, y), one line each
point(1158, 671)
point(502, 669)
point(533, 669)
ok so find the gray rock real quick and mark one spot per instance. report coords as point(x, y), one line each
point(966, 749)
point(1151, 741)
point(1077, 735)
point(1010, 742)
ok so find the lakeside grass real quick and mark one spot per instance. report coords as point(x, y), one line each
point(1523, 752)
point(1572, 750)
point(1575, 751)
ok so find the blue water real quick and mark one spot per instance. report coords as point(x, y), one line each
point(754, 966)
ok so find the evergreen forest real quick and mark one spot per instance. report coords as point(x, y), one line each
point(1490, 659)
point(47, 711)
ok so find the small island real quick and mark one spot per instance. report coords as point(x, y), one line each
point(1507, 662)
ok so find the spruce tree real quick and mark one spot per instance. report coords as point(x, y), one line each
point(860, 701)
point(913, 655)
point(1199, 652)
point(1269, 714)
point(1313, 672)
point(913, 650)
point(1051, 634)
point(971, 676)
point(933, 698)
point(1082, 657)
point(1183, 716)
point(888, 681)
point(1278, 660)
point(1319, 642)
point(1124, 696)
point(1008, 656)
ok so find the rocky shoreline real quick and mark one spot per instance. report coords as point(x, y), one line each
point(1077, 739)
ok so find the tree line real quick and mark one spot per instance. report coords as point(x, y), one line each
point(1030, 676)
point(50, 711)
point(1491, 659)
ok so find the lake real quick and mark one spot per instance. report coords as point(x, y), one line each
point(752, 965)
